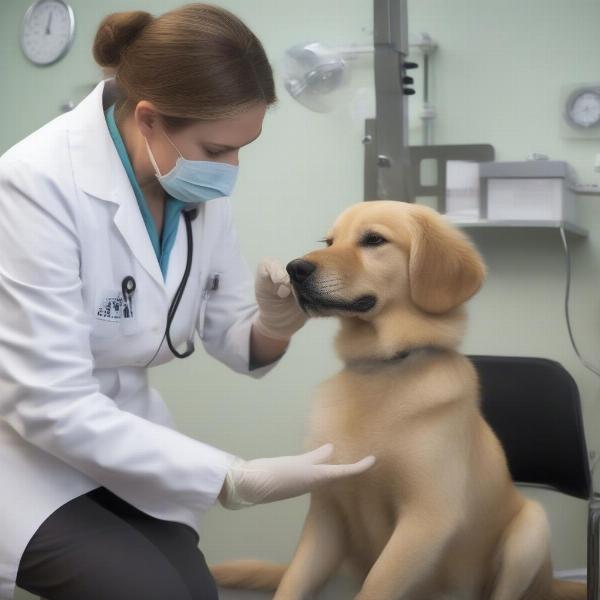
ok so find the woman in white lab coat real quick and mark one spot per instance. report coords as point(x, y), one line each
point(105, 212)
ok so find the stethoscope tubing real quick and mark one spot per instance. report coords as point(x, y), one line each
point(128, 286)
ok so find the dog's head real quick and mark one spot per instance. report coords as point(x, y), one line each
point(383, 255)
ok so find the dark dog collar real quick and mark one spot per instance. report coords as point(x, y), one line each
point(359, 363)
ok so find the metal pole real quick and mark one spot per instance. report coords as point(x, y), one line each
point(391, 48)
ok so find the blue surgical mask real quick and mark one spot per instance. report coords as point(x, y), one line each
point(196, 180)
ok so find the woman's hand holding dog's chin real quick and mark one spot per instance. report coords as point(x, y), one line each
point(265, 480)
point(279, 315)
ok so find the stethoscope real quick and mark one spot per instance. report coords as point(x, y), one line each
point(128, 286)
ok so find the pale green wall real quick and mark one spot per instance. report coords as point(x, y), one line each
point(496, 79)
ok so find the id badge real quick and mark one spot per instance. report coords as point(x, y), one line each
point(119, 310)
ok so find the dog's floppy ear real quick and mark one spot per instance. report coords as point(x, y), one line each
point(444, 267)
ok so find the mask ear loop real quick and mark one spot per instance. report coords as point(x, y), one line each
point(151, 156)
point(174, 146)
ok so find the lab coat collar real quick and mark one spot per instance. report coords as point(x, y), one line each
point(99, 172)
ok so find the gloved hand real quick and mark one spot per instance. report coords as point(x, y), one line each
point(279, 314)
point(265, 480)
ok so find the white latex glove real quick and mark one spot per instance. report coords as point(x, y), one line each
point(265, 480)
point(279, 315)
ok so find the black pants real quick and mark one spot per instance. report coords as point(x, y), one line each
point(99, 547)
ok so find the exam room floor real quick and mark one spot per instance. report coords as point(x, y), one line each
point(339, 588)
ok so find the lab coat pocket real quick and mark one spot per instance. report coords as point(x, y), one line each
point(104, 329)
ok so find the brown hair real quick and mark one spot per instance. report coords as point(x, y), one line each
point(195, 62)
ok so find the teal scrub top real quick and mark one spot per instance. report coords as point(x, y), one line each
point(162, 246)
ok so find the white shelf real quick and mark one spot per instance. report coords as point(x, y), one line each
point(572, 228)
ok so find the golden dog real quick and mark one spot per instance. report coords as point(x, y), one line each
point(437, 516)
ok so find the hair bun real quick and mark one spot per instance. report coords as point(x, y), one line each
point(115, 33)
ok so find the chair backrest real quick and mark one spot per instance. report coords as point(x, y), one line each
point(533, 406)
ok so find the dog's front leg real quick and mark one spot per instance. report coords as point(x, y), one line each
point(409, 556)
point(319, 552)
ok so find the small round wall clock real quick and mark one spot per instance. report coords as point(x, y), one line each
point(48, 31)
point(582, 109)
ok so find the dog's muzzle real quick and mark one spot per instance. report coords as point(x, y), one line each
point(309, 297)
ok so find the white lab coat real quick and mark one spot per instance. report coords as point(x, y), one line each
point(76, 409)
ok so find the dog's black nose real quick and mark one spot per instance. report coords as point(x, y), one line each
point(300, 270)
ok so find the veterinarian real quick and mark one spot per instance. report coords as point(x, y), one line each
point(116, 246)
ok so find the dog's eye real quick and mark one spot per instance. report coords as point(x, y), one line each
point(372, 239)
point(327, 241)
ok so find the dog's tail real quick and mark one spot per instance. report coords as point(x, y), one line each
point(248, 574)
point(567, 590)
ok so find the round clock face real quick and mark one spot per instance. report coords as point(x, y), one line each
point(48, 29)
point(583, 108)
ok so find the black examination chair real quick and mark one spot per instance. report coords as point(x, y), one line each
point(533, 406)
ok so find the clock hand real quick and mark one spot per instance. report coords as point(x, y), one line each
point(49, 21)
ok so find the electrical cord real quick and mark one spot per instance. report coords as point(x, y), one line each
point(567, 295)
